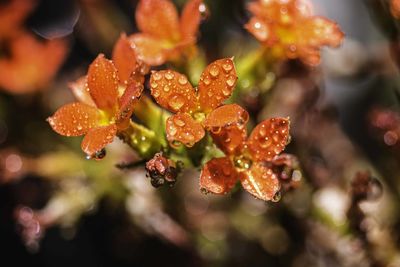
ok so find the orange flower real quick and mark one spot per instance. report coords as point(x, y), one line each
point(163, 35)
point(200, 108)
point(395, 8)
point(291, 31)
point(12, 15)
point(107, 95)
point(32, 63)
point(249, 160)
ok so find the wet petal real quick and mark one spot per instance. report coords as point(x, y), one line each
point(97, 138)
point(124, 58)
point(321, 31)
point(269, 138)
point(259, 29)
point(226, 115)
point(218, 176)
point(217, 83)
point(158, 18)
point(74, 119)
point(173, 91)
point(150, 50)
point(184, 129)
point(230, 139)
point(103, 83)
point(260, 181)
point(127, 101)
point(191, 18)
point(80, 90)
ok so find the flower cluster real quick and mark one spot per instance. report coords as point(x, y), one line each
point(106, 99)
point(112, 89)
point(290, 30)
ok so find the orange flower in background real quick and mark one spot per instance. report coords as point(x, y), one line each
point(164, 36)
point(395, 8)
point(249, 160)
point(107, 96)
point(32, 64)
point(200, 108)
point(289, 29)
point(12, 16)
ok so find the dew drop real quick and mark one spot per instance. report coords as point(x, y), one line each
point(207, 81)
point(172, 130)
point(166, 88)
point(169, 75)
point(79, 127)
point(156, 93)
point(277, 197)
point(227, 66)
point(179, 122)
point(182, 80)
point(231, 81)
point(226, 92)
point(214, 71)
point(157, 76)
point(176, 102)
point(153, 85)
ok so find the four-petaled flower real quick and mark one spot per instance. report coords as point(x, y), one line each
point(200, 108)
point(107, 95)
point(290, 30)
point(163, 35)
point(32, 63)
point(249, 160)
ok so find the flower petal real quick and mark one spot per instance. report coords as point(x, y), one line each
point(127, 101)
point(184, 129)
point(259, 29)
point(217, 83)
point(269, 138)
point(190, 19)
point(74, 119)
point(226, 115)
point(218, 176)
point(158, 18)
point(173, 91)
point(124, 58)
point(80, 90)
point(97, 138)
point(103, 83)
point(260, 181)
point(230, 139)
point(149, 49)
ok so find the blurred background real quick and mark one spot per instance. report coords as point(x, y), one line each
point(59, 209)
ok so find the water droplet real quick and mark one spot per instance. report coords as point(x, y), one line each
point(169, 75)
point(216, 130)
point(204, 191)
point(172, 130)
point(206, 81)
point(182, 80)
point(179, 122)
point(153, 85)
point(214, 71)
point(156, 76)
point(166, 88)
point(231, 81)
point(156, 93)
point(176, 102)
point(227, 66)
point(79, 127)
point(277, 197)
point(226, 91)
